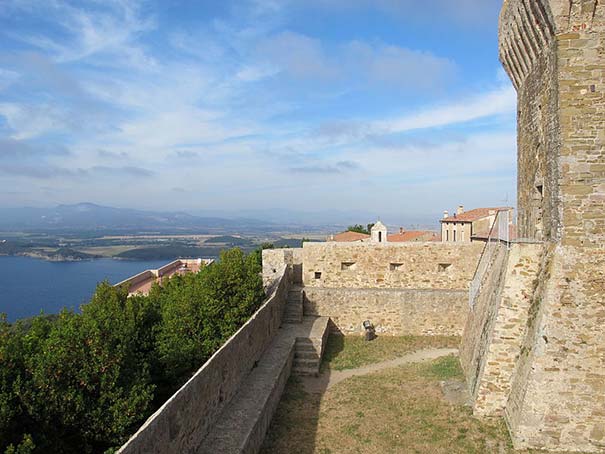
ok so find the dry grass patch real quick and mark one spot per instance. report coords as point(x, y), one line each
point(351, 352)
point(400, 410)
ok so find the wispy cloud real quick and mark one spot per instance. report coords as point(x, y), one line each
point(338, 167)
point(497, 103)
point(92, 28)
point(501, 101)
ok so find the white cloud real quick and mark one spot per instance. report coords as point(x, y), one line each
point(462, 12)
point(502, 101)
point(398, 66)
point(27, 122)
point(103, 28)
point(255, 73)
point(241, 99)
point(298, 55)
point(7, 78)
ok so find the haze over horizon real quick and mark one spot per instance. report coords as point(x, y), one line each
point(393, 108)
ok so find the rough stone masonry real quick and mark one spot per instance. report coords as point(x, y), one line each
point(552, 391)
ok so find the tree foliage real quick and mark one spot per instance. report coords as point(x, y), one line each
point(360, 228)
point(82, 383)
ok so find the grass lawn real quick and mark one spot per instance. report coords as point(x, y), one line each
point(400, 410)
point(350, 352)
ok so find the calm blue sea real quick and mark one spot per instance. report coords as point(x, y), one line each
point(28, 286)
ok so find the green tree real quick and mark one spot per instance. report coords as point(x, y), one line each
point(200, 312)
point(88, 381)
point(360, 228)
point(258, 252)
point(81, 383)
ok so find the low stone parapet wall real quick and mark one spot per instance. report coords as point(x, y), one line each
point(392, 311)
point(275, 259)
point(182, 423)
point(429, 265)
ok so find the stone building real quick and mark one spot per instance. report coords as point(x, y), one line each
point(378, 233)
point(462, 226)
point(403, 236)
point(140, 284)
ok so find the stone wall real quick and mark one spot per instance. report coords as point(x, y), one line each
point(527, 50)
point(496, 326)
point(275, 259)
point(479, 324)
point(390, 265)
point(392, 311)
point(181, 424)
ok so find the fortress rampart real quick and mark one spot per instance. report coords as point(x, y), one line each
point(403, 288)
point(183, 422)
point(430, 265)
point(538, 356)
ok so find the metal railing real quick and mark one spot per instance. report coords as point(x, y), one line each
point(499, 234)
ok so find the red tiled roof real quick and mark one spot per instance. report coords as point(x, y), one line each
point(350, 237)
point(473, 215)
point(412, 235)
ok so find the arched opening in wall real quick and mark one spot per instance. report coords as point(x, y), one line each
point(380, 237)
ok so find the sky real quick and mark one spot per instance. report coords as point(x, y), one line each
point(397, 109)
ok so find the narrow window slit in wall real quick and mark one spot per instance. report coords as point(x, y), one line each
point(317, 274)
point(444, 266)
point(348, 266)
point(396, 266)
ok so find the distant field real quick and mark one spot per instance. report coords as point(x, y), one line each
point(157, 237)
point(107, 251)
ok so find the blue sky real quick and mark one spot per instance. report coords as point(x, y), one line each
point(394, 108)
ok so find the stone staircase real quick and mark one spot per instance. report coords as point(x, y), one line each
point(293, 313)
point(306, 357)
point(243, 423)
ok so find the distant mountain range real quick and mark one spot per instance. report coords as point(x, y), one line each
point(96, 218)
point(89, 216)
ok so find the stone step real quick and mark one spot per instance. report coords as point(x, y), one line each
point(295, 296)
point(305, 371)
point(306, 363)
point(306, 349)
point(306, 355)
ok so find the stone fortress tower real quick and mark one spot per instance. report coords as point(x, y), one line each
point(552, 381)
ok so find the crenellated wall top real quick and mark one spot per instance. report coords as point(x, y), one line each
point(528, 27)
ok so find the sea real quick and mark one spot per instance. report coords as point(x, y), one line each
point(29, 286)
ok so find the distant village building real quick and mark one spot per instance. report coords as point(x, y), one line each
point(140, 284)
point(382, 236)
point(405, 236)
point(378, 233)
point(468, 226)
point(349, 237)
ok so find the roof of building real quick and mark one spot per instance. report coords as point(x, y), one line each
point(474, 215)
point(141, 283)
point(402, 237)
point(348, 236)
point(378, 226)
